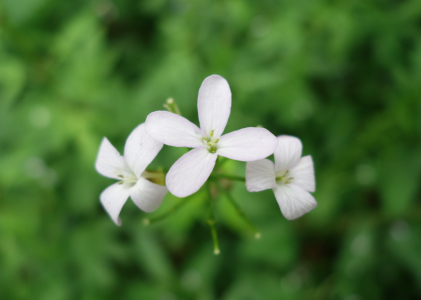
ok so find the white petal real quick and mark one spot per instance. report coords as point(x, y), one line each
point(303, 174)
point(247, 144)
point(147, 195)
point(287, 153)
point(113, 199)
point(109, 162)
point(140, 149)
point(190, 172)
point(214, 105)
point(293, 200)
point(260, 175)
point(172, 129)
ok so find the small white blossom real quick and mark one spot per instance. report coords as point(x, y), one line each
point(140, 149)
point(192, 170)
point(291, 177)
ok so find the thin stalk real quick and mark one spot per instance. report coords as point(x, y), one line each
point(152, 220)
point(220, 161)
point(211, 222)
point(240, 211)
point(228, 176)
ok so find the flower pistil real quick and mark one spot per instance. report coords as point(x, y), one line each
point(210, 142)
point(128, 180)
point(283, 178)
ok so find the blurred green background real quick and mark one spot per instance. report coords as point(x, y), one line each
point(344, 76)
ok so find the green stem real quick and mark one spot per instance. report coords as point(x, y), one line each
point(212, 221)
point(148, 221)
point(220, 161)
point(239, 210)
point(228, 176)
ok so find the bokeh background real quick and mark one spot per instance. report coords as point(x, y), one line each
point(344, 76)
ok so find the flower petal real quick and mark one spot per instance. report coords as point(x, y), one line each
point(247, 144)
point(260, 175)
point(109, 162)
point(303, 174)
point(287, 153)
point(140, 149)
point(293, 200)
point(190, 172)
point(214, 105)
point(147, 195)
point(113, 199)
point(172, 129)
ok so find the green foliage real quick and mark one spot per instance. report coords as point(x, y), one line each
point(344, 76)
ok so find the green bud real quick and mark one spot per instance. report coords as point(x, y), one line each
point(171, 106)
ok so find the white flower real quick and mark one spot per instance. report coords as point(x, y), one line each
point(192, 170)
point(140, 149)
point(291, 177)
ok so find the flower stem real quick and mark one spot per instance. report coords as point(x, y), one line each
point(212, 221)
point(220, 161)
point(240, 211)
point(216, 250)
point(228, 176)
point(152, 220)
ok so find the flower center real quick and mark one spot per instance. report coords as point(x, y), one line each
point(284, 178)
point(210, 142)
point(129, 180)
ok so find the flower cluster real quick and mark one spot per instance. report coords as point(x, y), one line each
point(291, 177)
